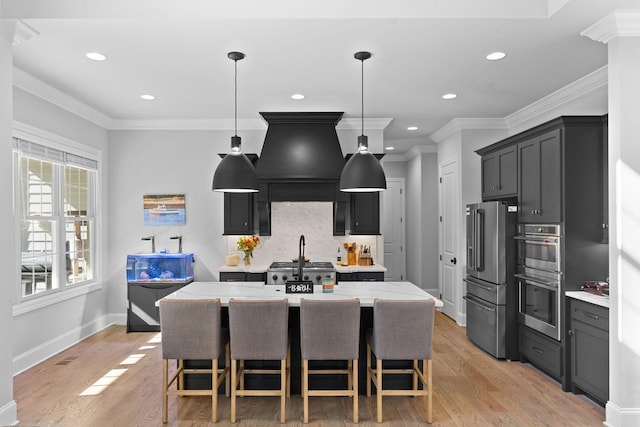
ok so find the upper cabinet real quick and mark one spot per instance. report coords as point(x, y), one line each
point(539, 178)
point(238, 213)
point(365, 213)
point(499, 174)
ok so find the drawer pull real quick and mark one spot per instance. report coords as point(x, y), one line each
point(538, 350)
point(589, 315)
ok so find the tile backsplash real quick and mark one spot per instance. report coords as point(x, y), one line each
point(314, 220)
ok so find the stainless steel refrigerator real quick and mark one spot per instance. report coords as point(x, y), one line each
point(492, 295)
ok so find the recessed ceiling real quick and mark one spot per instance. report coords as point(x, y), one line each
point(177, 51)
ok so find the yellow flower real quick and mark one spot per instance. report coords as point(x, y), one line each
point(248, 243)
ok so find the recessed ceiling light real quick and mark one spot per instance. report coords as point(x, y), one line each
point(412, 128)
point(449, 96)
point(389, 148)
point(147, 97)
point(95, 56)
point(496, 56)
point(297, 96)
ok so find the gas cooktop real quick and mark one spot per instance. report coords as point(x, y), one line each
point(306, 266)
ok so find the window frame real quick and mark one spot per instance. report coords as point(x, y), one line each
point(76, 151)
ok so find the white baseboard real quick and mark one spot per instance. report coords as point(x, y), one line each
point(621, 417)
point(9, 414)
point(32, 357)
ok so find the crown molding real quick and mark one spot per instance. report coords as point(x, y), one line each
point(371, 123)
point(619, 23)
point(188, 124)
point(55, 96)
point(415, 151)
point(23, 32)
point(573, 90)
point(460, 124)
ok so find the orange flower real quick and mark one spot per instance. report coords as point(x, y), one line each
point(248, 243)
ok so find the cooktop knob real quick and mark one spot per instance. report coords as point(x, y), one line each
point(306, 277)
point(284, 277)
point(274, 277)
point(318, 277)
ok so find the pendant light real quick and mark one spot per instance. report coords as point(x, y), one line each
point(362, 172)
point(235, 173)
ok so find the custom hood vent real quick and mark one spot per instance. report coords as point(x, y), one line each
point(301, 147)
point(301, 161)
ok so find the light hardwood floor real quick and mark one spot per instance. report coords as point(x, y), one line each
point(114, 379)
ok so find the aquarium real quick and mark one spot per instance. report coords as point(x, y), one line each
point(160, 267)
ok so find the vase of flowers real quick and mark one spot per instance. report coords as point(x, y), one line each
point(247, 244)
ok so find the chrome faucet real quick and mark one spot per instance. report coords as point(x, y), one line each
point(179, 242)
point(300, 256)
point(153, 242)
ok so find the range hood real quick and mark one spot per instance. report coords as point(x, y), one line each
point(301, 146)
point(301, 161)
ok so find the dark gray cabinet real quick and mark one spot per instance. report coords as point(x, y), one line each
point(361, 276)
point(241, 276)
point(238, 213)
point(500, 174)
point(142, 313)
point(540, 179)
point(542, 351)
point(365, 213)
point(589, 347)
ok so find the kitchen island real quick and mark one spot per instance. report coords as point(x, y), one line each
point(366, 292)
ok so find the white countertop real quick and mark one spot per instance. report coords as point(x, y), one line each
point(263, 268)
point(601, 300)
point(365, 291)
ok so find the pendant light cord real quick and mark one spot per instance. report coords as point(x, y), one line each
point(235, 96)
point(362, 89)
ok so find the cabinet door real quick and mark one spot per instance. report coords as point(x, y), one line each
point(490, 176)
point(540, 178)
point(365, 213)
point(528, 180)
point(550, 209)
point(499, 174)
point(238, 213)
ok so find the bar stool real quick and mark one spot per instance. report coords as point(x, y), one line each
point(259, 331)
point(402, 330)
point(191, 330)
point(330, 330)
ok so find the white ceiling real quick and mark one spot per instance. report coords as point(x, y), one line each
point(421, 50)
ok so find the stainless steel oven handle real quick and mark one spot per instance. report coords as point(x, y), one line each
point(471, 282)
point(536, 239)
point(477, 304)
point(538, 282)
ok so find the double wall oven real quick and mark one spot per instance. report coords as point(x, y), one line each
point(540, 277)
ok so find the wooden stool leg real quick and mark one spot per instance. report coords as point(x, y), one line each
point(283, 390)
point(234, 373)
point(416, 368)
point(214, 390)
point(368, 367)
point(355, 390)
point(379, 389)
point(227, 379)
point(289, 371)
point(427, 363)
point(165, 380)
point(305, 389)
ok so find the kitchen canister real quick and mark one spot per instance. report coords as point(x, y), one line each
point(327, 284)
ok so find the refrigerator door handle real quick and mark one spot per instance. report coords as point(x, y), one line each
point(478, 303)
point(479, 239)
point(471, 223)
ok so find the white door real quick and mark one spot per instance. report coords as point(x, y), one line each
point(393, 229)
point(449, 218)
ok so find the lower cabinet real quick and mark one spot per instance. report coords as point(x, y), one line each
point(142, 313)
point(543, 352)
point(241, 276)
point(589, 347)
point(361, 276)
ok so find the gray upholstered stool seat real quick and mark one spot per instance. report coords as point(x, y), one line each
point(402, 330)
point(330, 330)
point(191, 330)
point(259, 331)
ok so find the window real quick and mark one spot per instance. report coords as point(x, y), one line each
point(55, 211)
